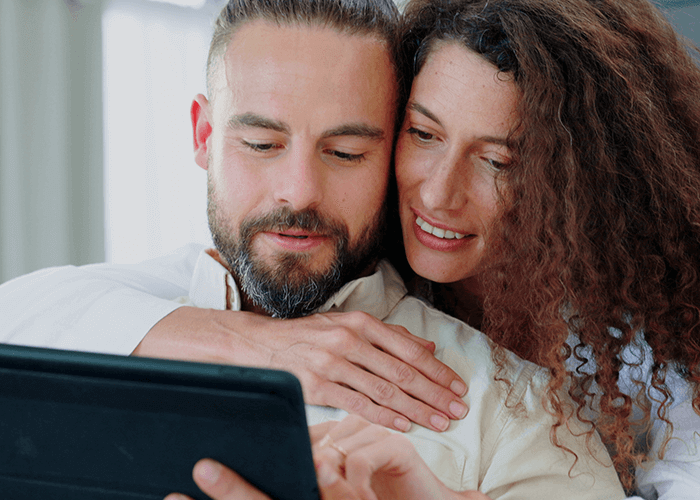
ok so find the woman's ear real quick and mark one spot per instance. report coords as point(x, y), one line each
point(201, 129)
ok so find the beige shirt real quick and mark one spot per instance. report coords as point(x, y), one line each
point(502, 447)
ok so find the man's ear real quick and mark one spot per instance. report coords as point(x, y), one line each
point(201, 129)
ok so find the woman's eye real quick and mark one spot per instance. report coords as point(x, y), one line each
point(495, 164)
point(420, 134)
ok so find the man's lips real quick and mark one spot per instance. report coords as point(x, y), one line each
point(296, 240)
point(298, 234)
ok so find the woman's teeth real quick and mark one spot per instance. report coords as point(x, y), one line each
point(436, 231)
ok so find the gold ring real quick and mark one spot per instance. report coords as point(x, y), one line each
point(328, 441)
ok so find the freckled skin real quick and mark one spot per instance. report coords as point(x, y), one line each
point(449, 148)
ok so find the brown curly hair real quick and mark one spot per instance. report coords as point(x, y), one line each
point(600, 237)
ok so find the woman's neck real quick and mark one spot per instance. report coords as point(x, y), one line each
point(462, 299)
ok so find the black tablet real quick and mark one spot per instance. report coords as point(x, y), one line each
point(92, 426)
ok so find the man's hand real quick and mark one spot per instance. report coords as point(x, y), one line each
point(350, 361)
point(221, 483)
point(378, 464)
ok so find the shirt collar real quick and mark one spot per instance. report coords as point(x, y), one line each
point(213, 287)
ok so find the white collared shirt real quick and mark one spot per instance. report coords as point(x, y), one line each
point(501, 449)
point(110, 308)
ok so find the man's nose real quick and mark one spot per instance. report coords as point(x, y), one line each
point(301, 180)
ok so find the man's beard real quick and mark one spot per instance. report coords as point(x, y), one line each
point(285, 288)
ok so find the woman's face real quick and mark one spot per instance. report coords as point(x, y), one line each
point(451, 144)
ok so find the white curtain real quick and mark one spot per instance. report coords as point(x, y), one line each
point(154, 64)
point(51, 180)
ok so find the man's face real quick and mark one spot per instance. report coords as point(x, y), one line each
point(297, 143)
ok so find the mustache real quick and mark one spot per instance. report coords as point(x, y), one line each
point(284, 218)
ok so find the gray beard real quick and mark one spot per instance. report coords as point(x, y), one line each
point(285, 288)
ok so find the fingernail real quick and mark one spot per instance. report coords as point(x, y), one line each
point(175, 496)
point(326, 475)
point(208, 471)
point(459, 388)
point(458, 409)
point(439, 422)
point(402, 424)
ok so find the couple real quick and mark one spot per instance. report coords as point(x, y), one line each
point(547, 174)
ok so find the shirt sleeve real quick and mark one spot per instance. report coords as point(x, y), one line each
point(97, 308)
point(673, 470)
point(525, 463)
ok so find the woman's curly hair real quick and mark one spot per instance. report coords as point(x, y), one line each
point(600, 237)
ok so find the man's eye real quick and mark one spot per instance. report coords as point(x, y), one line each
point(349, 157)
point(421, 135)
point(261, 147)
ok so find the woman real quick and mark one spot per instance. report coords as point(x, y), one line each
point(577, 198)
point(548, 172)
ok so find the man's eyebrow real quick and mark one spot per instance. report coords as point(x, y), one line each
point(501, 141)
point(252, 120)
point(358, 130)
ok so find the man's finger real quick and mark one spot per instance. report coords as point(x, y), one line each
point(177, 496)
point(221, 483)
point(357, 403)
point(332, 485)
point(404, 346)
point(393, 384)
point(316, 432)
point(428, 344)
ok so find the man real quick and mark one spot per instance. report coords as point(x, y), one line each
point(296, 138)
point(382, 373)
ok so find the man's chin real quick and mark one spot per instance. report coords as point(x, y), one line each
point(297, 267)
point(290, 288)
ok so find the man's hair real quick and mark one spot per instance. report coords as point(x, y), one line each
point(378, 18)
point(600, 229)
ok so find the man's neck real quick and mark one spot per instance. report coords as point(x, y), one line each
point(246, 304)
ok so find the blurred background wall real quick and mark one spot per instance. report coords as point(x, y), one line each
point(95, 147)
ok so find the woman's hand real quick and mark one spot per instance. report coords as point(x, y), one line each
point(350, 361)
point(378, 464)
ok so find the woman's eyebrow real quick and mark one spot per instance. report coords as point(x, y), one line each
point(419, 108)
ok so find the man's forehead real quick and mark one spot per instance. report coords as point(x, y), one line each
point(260, 40)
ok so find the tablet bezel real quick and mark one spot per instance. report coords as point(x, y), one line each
point(113, 427)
